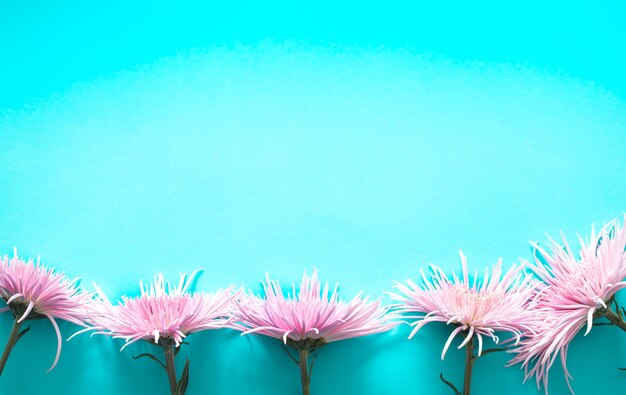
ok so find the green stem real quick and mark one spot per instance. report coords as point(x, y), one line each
point(614, 318)
point(469, 366)
point(168, 349)
point(305, 380)
point(470, 359)
point(13, 338)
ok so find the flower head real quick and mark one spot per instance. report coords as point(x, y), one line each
point(162, 311)
point(33, 291)
point(498, 303)
point(578, 289)
point(311, 313)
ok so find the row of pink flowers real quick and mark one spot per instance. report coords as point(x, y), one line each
point(540, 305)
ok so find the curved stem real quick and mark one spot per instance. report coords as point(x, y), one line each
point(13, 338)
point(469, 365)
point(305, 378)
point(449, 384)
point(170, 367)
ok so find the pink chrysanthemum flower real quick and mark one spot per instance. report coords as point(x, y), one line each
point(309, 318)
point(162, 311)
point(32, 291)
point(500, 302)
point(578, 291)
point(163, 315)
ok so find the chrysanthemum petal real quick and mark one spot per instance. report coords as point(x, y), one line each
point(499, 301)
point(162, 311)
point(312, 311)
point(59, 341)
point(577, 286)
point(40, 291)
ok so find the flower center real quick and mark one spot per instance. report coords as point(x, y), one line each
point(472, 306)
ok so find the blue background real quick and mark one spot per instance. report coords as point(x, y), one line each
point(366, 140)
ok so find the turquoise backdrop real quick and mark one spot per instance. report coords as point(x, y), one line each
point(366, 140)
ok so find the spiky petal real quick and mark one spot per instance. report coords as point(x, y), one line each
point(40, 292)
point(310, 313)
point(501, 302)
point(161, 311)
point(577, 289)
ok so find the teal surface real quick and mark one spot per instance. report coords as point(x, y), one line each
point(364, 140)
